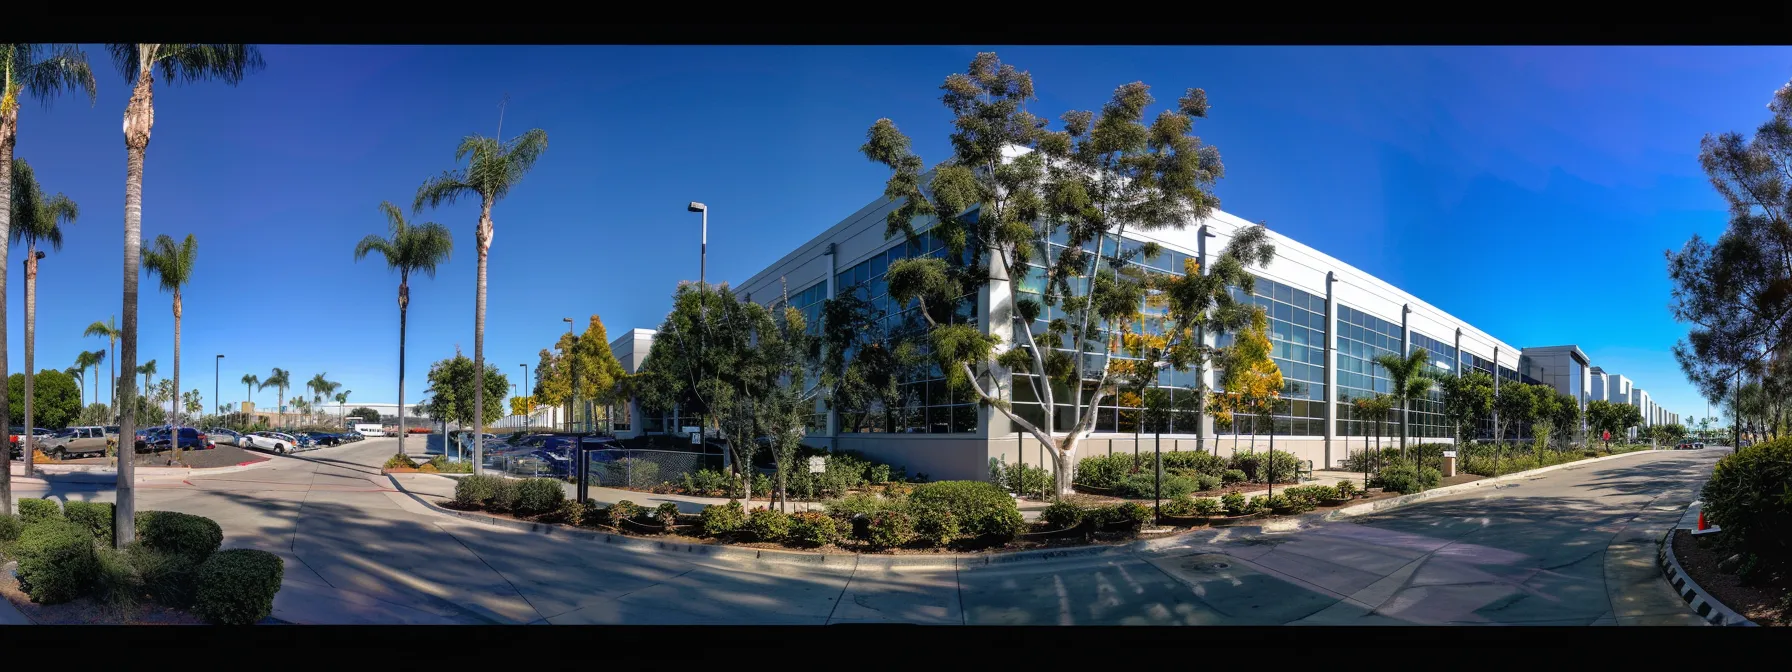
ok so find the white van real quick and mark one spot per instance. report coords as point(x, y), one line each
point(370, 429)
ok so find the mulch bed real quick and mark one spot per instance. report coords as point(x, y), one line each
point(85, 611)
point(1759, 603)
point(222, 456)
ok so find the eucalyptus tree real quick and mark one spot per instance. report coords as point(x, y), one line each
point(44, 72)
point(997, 206)
point(494, 167)
point(108, 330)
point(411, 249)
point(1407, 380)
point(36, 218)
point(279, 379)
point(173, 264)
point(142, 65)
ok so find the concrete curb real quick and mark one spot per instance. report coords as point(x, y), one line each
point(1708, 608)
point(142, 473)
point(1293, 523)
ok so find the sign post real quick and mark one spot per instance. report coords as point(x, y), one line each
point(1449, 463)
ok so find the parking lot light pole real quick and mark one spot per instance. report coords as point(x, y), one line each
point(527, 424)
point(573, 354)
point(703, 312)
point(217, 365)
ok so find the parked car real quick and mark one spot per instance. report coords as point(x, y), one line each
point(325, 438)
point(225, 436)
point(77, 442)
point(351, 436)
point(278, 443)
point(1698, 444)
point(189, 438)
point(39, 435)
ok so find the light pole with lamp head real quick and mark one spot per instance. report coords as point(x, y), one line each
point(702, 310)
point(528, 418)
point(574, 356)
point(217, 366)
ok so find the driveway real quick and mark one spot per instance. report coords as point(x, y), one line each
point(1573, 547)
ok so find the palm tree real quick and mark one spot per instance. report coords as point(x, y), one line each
point(173, 264)
point(79, 373)
point(82, 361)
point(140, 63)
point(44, 72)
point(1407, 380)
point(410, 249)
point(249, 381)
point(280, 379)
point(147, 370)
point(35, 218)
point(495, 166)
point(109, 331)
point(342, 405)
point(97, 357)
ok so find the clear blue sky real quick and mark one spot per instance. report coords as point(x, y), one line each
point(1529, 191)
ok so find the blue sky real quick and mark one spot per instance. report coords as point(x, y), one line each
point(1530, 191)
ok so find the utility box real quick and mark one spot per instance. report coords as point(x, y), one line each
point(1449, 463)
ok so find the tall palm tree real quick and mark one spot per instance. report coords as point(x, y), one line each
point(280, 379)
point(173, 264)
point(493, 168)
point(97, 356)
point(79, 373)
point(147, 370)
point(419, 249)
point(249, 381)
point(140, 64)
point(1407, 380)
point(109, 331)
point(35, 218)
point(41, 71)
point(342, 405)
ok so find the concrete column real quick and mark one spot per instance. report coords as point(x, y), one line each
point(1496, 392)
point(1331, 367)
point(833, 413)
point(1405, 349)
point(1458, 366)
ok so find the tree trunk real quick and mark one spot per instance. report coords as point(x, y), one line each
point(138, 118)
point(174, 404)
point(484, 235)
point(404, 304)
point(29, 442)
point(111, 378)
point(9, 121)
point(1062, 460)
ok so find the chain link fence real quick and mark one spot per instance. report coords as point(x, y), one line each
point(630, 468)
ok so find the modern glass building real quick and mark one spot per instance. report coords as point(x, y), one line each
point(1328, 323)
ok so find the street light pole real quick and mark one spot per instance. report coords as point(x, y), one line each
point(703, 314)
point(528, 418)
point(217, 365)
point(574, 356)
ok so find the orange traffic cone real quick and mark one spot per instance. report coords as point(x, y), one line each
point(1704, 527)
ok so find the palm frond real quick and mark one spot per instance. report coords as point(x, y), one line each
point(65, 69)
point(442, 189)
point(427, 246)
point(57, 211)
point(195, 62)
point(99, 328)
point(172, 264)
point(124, 57)
point(374, 243)
point(99, 356)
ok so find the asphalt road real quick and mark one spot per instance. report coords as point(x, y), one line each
point(1571, 547)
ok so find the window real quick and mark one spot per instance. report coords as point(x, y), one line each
point(1359, 376)
point(1297, 341)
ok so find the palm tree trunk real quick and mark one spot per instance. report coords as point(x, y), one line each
point(174, 442)
point(30, 440)
point(485, 244)
point(404, 300)
point(139, 116)
point(111, 377)
point(8, 127)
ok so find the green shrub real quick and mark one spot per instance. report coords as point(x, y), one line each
point(95, 516)
point(1231, 476)
point(633, 472)
point(192, 537)
point(1345, 489)
point(170, 579)
point(1181, 507)
point(1258, 466)
point(813, 528)
point(34, 510)
point(890, 529)
point(1361, 460)
point(1234, 503)
point(1307, 497)
point(719, 519)
point(1133, 514)
point(399, 462)
point(504, 496)
point(1399, 477)
point(1103, 471)
point(57, 562)
point(10, 527)
point(980, 508)
point(1748, 496)
point(846, 508)
point(1023, 478)
point(472, 492)
point(1139, 486)
point(1062, 515)
point(769, 525)
point(707, 483)
point(1282, 504)
point(1430, 477)
point(446, 466)
point(621, 511)
point(666, 514)
point(539, 495)
point(1205, 482)
point(237, 587)
point(116, 583)
point(1206, 463)
point(1258, 505)
point(936, 526)
point(1208, 507)
point(574, 512)
point(878, 474)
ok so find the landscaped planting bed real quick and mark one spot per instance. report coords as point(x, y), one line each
point(1747, 564)
point(221, 456)
point(67, 571)
point(926, 518)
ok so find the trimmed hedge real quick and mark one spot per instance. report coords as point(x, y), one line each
point(57, 561)
point(724, 518)
point(1062, 515)
point(889, 529)
point(192, 537)
point(979, 508)
point(237, 587)
point(813, 528)
point(95, 516)
point(538, 495)
point(1749, 496)
point(472, 492)
point(10, 527)
point(34, 510)
point(769, 525)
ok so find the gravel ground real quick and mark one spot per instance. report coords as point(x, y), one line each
point(222, 456)
point(1758, 603)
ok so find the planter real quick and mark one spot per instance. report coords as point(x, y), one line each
point(1335, 502)
point(1285, 510)
point(1053, 534)
point(1184, 521)
point(1105, 492)
point(1222, 521)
